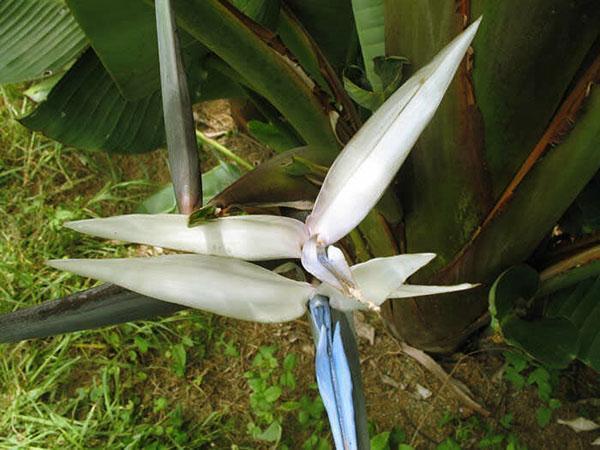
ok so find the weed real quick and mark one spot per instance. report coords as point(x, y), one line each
point(517, 365)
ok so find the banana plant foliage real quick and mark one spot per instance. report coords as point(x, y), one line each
point(509, 151)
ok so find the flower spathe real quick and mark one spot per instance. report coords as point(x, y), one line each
point(352, 187)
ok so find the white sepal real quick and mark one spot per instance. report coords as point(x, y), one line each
point(415, 290)
point(224, 286)
point(378, 277)
point(253, 238)
point(310, 262)
point(368, 163)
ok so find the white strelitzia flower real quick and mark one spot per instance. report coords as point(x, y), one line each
point(217, 280)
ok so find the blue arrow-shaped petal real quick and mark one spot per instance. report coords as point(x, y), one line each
point(333, 375)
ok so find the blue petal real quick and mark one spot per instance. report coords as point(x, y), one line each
point(333, 375)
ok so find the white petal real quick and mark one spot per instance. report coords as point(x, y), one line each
point(338, 261)
point(415, 290)
point(369, 162)
point(310, 262)
point(224, 286)
point(254, 238)
point(378, 277)
point(338, 300)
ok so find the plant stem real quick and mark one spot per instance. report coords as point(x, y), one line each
point(223, 150)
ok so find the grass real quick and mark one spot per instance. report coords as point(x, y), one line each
point(88, 389)
point(174, 383)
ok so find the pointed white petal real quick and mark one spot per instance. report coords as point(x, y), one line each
point(378, 277)
point(338, 300)
point(415, 290)
point(224, 286)
point(254, 238)
point(310, 262)
point(338, 262)
point(369, 162)
point(335, 271)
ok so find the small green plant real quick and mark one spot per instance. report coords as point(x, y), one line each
point(266, 391)
point(390, 440)
point(273, 385)
point(521, 372)
point(475, 433)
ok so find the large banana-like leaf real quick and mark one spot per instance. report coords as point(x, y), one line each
point(546, 187)
point(331, 24)
point(369, 17)
point(509, 235)
point(294, 35)
point(123, 35)
point(264, 12)
point(85, 109)
point(518, 83)
point(94, 308)
point(452, 152)
point(583, 216)
point(252, 51)
point(37, 38)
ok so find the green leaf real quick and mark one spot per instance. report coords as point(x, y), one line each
point(583, 216)
point(449, 444)
point(540, 200)
point(513, 290)
point(580, 266)
point(179, 355)
point(515, 378)
point(271, 136)
point(38, 39)
point(301, 44)
point(162, 202)
point(290, 361)
point(369, 18)
point(518, 41)
point(367, 99)
point(543, 415)
point(390, 69)
point(272, 394)
point(123, 35)
point(244, 46)
point(264, 12)
point(39, 91)
point(271, 434)
point(271, 182)
point(580, 305)
point(214, 181)
point(331, 25)
point(86, 110)
point(553, 341)
point(380, 441)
